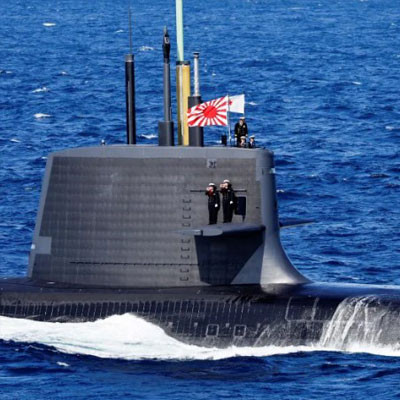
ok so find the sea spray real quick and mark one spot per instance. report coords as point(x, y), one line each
point(362, 323)
point(354, 328)
point(122, 337)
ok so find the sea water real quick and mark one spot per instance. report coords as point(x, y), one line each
point(321, 80)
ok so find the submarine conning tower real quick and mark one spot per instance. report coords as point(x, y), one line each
point(137, 216)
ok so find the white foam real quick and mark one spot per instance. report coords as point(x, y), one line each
point(123, 337)
point(132, 338)
point(14, 140)
point(49, 24)
point(251, 103)
point(41, 115)
point(62, 364)
point(363, 324)
point(149, 136)
point(42, 89)
point(146, 48)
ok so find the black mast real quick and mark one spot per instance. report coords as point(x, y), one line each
point(130, 90)
point(166, 127)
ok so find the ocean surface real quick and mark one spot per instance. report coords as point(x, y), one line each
point(321, 79)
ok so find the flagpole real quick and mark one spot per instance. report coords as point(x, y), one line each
point(229, 123)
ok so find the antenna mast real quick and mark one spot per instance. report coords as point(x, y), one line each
point(182, 79)
point(130, 89)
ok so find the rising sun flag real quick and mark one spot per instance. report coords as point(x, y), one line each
point(213, 112)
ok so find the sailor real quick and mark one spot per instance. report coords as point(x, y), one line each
point(252, 143)
point(243, 143)
point(229, 200)
point(240, 130)
point(213, 203)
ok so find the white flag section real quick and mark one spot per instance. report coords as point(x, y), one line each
point(213, 112)
point(236, 104)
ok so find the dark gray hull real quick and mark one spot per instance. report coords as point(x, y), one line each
point(218, 316)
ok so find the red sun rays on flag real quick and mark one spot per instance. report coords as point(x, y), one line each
point(210, 112)
point(213, 112)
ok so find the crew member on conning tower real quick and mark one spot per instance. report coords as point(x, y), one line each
point(252, 143)
point(240, 130)
point(229, 200)
point(214, 203)
point(243, 143)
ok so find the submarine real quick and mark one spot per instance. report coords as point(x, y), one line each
point(124, 229)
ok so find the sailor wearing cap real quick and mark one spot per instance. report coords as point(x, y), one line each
point(240, 130)
point(252, 143)
point(214, 203)
point(229, 200)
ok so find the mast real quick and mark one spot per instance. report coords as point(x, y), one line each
point(182, 79)
point(130, 89)
point(166, 127)
point(196, 133)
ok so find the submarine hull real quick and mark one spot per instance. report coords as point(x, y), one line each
point(249, 315)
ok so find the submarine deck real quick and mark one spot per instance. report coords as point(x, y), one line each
point(314, 289)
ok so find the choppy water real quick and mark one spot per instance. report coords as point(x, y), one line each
point(321, 81)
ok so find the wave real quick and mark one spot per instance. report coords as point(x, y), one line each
point(363, 324)
point(146, 48)
point(42, 89)
point(41, 115)
point(358, 325)
point(122, 337)
point(149, 136)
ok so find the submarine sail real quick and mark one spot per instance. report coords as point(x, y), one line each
point(99, 224)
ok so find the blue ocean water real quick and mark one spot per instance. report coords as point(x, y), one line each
point(322, 91)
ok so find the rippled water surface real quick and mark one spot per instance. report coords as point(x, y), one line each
point(322, 91)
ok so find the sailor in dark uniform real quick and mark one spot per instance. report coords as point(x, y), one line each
point(243, 143)
point(229, 200)
point(252, 143)
point(213, 203)
point(240, 130)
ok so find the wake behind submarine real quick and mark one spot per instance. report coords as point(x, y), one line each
point(124, 229)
